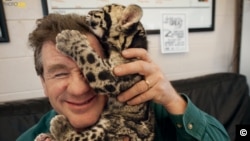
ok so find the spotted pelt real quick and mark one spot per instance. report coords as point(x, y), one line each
point(118, 28)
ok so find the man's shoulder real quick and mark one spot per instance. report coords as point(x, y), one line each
point(41, 127)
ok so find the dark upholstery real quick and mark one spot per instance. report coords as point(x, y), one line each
point(17, 117)
point(223, 95)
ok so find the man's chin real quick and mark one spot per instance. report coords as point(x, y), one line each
point(81, 124)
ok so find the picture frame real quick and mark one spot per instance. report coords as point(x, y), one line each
point(4, 36)
point(200, 12)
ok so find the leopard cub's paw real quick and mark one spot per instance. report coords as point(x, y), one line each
point(44, 137)
point(59, 125)
point(69, 40)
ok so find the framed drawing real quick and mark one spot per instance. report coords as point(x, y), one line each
point(4, 37)
point(200, 12)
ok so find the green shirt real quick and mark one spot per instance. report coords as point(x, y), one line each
point(194, 124)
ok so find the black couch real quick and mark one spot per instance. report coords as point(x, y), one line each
point(223, 95)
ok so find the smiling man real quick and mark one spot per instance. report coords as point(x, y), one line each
point(177, 118)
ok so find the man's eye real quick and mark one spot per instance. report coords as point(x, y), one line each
point(61, 75)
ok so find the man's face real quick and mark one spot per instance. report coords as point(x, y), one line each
point(68, 91)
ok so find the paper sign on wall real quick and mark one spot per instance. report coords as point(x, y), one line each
point(174, 33)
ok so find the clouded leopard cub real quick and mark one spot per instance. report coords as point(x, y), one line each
point(118, 28)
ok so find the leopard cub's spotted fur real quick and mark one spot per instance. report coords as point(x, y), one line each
point(118, 28)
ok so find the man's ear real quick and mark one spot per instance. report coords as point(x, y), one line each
point(131, 14)
point(44, 85)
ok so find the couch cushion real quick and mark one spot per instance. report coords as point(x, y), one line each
point(224, 96)
point(17, 117)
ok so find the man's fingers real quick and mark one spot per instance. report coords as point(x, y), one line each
point(136, 90)
point(139, 53)
point(140, 67)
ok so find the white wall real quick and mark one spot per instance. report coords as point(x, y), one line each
point(210, 52)
point(245, 42)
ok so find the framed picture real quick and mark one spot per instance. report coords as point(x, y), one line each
point(4, 37)
point(200, 13)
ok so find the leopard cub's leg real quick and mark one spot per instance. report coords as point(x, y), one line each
point(71, 42)
point(44, 137)
point(59, 127)
point(75, 44)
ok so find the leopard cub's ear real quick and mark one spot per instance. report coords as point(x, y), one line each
point(131, 14)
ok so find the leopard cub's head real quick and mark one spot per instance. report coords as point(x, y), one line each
point(118, 25)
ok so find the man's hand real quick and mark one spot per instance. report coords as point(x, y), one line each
point(155, 85)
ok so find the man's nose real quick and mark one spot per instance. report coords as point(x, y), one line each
point(78, 85)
